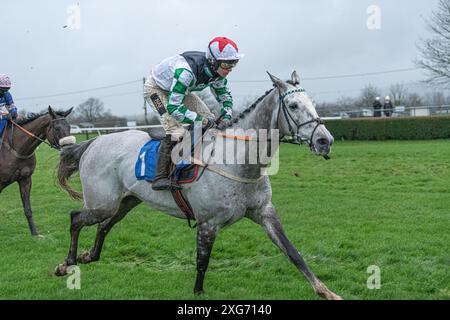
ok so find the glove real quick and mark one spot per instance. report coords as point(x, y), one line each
point(223, 123)
point(13, 113)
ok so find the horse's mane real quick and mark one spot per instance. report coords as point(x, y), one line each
point(30, 117)
point(244, 113)
point(33, 116)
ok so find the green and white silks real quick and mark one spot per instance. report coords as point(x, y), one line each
point(179, 77)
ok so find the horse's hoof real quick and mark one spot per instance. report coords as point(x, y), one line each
point(85, 257)
point(326, 293)
point(61, 270)
point(199, 292)
point(332, 296)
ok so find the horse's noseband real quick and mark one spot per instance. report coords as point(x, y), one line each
point(288, 117)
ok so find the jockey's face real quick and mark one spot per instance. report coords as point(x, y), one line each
point(223, 72)
point(3, 90)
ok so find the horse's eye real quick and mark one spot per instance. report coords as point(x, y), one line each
point(293, 106)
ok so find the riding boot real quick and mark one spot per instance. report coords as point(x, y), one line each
point(162, 181)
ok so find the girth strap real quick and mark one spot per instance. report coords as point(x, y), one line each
point(184, 205)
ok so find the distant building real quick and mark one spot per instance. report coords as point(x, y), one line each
point(86, 125)
point(131, 124)
point(361, 113)
point(420, 111)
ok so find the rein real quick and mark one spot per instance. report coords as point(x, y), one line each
point(36, 137)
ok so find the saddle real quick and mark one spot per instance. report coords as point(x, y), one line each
point(156, 133)
point(182, 173)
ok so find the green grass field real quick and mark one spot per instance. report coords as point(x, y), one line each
point(373, 203)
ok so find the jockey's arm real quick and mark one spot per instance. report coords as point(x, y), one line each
point(223, 96)
point(12, 111)
point(9, 107)
point(182, 80)
point(8, 112)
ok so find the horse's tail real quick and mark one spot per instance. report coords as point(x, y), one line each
point(69, 164)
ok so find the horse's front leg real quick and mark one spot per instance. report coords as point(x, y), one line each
point(25, 189)
point(78, 220)
point(206, 234)
point(269, 219)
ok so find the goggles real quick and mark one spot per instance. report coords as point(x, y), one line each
point(4, 90)
point(228, 64)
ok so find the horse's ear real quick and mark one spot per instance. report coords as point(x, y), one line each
point(276, 81)
point(51, 112)
point(295, 79)
point(68, 112)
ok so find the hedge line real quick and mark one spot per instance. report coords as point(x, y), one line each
point(410, 128)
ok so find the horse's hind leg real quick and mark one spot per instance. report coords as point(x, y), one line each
point(126, 205)
point(269, 219)
point(79, 219)
point(206, 234)
point(25, 189)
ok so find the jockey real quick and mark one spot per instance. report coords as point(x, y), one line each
point(174, 79)
point(7, 108)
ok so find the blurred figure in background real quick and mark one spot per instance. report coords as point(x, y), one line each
point(377, 107)
point(388, 107)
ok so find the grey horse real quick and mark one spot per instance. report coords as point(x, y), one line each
point(111, 190)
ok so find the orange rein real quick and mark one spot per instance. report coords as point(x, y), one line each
point(26, 131)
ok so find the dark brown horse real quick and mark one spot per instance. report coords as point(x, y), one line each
point(17, 145)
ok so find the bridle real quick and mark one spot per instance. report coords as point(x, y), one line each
point(36, 137)
point(297, 139)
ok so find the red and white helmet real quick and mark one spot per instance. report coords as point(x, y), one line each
point(222, 48)
point(5, 82)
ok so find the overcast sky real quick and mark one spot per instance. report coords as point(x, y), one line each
point(120, 41)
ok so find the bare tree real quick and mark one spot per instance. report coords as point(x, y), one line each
point(435, 98)
point(90, 110)
point(398, 93)
point(326, 109)
point(368, 95)
point(344, 103)
point(414, 100)
point(436, 51)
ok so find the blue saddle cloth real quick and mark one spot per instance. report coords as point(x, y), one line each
point(145, 168)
